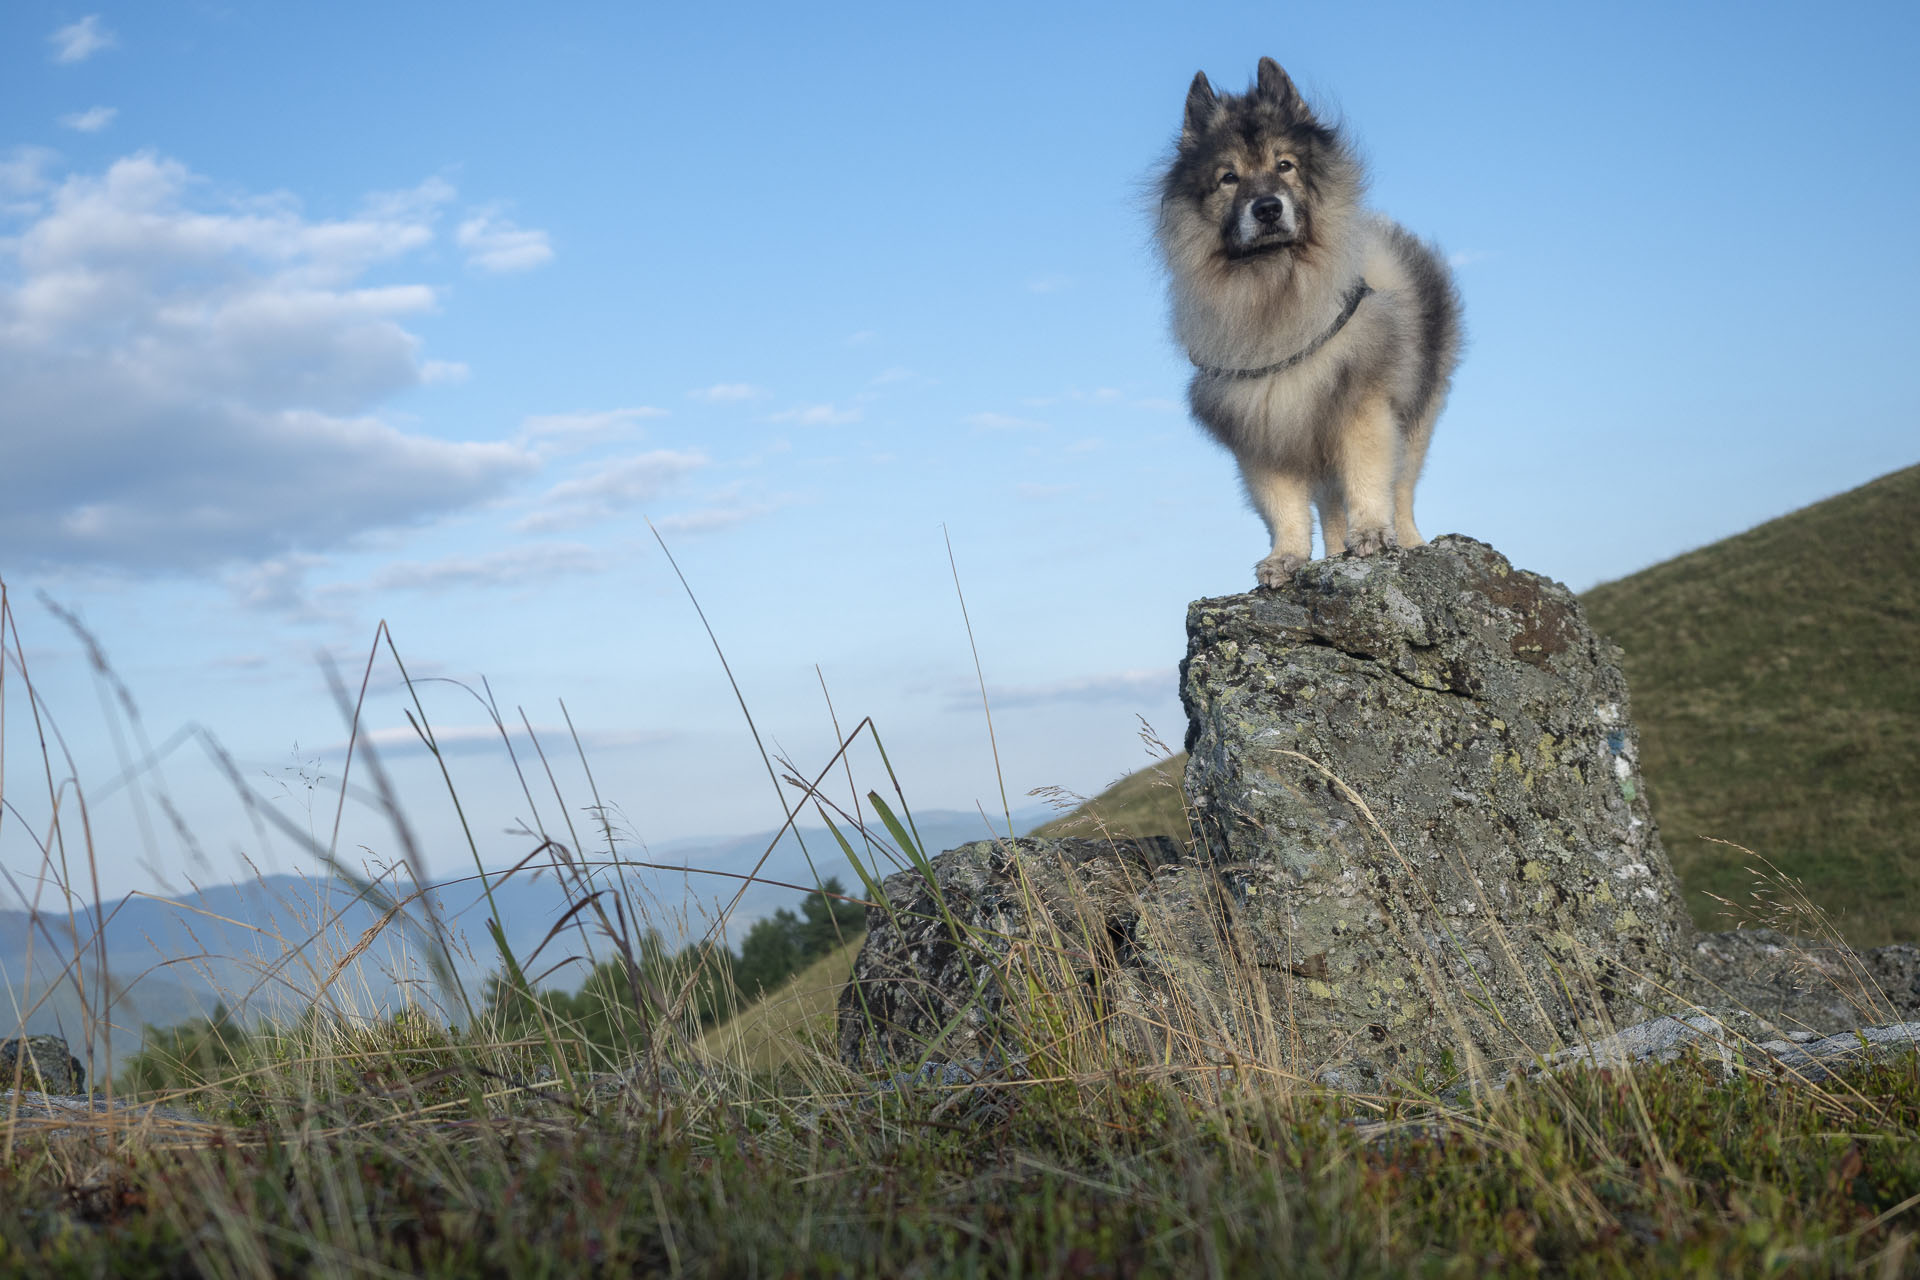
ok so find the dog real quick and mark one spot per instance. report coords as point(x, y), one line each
point(1323, 336)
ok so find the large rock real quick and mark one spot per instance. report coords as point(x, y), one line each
point(1418, 778)
point(1423, 841)
point(44, 1064)
point(1805, 985)
point(1002, 922)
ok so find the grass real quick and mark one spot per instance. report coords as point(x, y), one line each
point(787, 1025)
point(1660, 1171)
point(1146, 802)
point(443, 1141)
point(1776, 682)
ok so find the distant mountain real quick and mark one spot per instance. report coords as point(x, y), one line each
point(266, 947)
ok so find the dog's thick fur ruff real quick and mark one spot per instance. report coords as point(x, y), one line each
point(1265, 238)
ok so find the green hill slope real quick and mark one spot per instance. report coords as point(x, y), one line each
point(1776, 682)
point(789, 1023)
point(1144, 803)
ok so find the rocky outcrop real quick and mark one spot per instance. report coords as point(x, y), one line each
point(1417, 776)
point(1803, 985)
point(1730, 1043)
point(1083, 920)
point(44, 1064)
point(1423, 845)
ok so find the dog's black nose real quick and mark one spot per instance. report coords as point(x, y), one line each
point(1268, 209)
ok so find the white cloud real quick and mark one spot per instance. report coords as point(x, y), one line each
point(712, 519)
point(816, 415)
point(1102, 396)
point(418, 204)
point(1054, 283)
point(727, 392)
point(443, 372)
point(79, 41)
point(1467, 257)
point(560, 433)
point(495, 244)
point(280, 586)
point(887, 377)
point(23, 174)
point(532, 562)
point(479, 739)
point(92, 120)
point(193, 380)
point(607, 488)
point(1136, 686)
point(1041, 492)
point(1003, 422)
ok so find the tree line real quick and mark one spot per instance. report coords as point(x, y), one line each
point(608, 1013)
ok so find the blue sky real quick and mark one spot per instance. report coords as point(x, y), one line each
point(315, 315)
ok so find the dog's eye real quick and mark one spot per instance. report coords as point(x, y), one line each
point(1228, 178)
point(1284, 166)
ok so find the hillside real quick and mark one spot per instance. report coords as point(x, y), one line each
point(780, 1027)
point(1144, 803)
point(1776, 683)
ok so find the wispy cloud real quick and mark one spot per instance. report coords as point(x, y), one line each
point(23, 172)
point(1104, 396)
point(816, 415)
point(479, 739)
point(512, 566)
point(1051, 283)
point(727, 393)
point(80, 40)
point(607, 488)
point(92, 120)
point(1076, 395)
point(497, 245)
point(712, 519)
point(280, 586)
point(1467, 257)
point(1002, 422)
point(1039, 492)
point(559, 433)
point(419, 204)
point(1136, 686)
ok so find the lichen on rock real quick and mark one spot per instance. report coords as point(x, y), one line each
point(1418, 776)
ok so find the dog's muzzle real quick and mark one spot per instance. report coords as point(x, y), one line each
point(1265, 222)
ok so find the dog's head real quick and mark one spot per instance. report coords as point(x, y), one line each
point(1259, 166)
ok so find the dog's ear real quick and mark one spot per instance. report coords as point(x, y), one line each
point(1200, 105)
point(1272, 85)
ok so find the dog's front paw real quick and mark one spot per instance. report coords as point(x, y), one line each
point(1275, 571)
point(1370, 542)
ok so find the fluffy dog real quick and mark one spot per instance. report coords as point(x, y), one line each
point(1323, 336)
